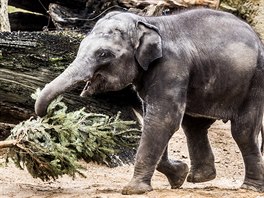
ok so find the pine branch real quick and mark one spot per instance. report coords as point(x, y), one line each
point(50, 146)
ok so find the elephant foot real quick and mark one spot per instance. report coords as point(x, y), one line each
point(136, 187)
point(255, 185)
point(202, 173)
point(175, 171)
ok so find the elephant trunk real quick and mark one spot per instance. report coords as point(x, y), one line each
point(59, 85)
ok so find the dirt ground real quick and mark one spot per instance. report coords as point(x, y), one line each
point(104, 182)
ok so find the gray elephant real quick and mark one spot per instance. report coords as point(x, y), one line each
point(189, 69)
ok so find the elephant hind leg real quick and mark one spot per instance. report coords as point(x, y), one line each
point(201, 155)
point(245, 132)
point(175, 171)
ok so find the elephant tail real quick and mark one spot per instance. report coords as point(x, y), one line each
point(262, 137)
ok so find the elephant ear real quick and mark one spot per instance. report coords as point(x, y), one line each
point(149, 46)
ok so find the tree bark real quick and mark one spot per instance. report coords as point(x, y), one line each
point(30, 60)
point(4, 20)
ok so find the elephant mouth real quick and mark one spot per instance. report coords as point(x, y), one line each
point(92, 85)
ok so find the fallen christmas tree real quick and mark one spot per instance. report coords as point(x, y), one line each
point(49, 147)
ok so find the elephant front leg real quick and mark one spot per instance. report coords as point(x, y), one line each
point(158, 128)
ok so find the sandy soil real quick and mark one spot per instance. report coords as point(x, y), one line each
point(104, 182)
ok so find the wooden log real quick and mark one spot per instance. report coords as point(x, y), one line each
point(30, 60)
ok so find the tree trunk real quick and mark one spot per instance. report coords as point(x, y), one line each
point(4, 21)
point(30, 60)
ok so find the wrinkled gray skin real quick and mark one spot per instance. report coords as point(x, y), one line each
point(189, 69)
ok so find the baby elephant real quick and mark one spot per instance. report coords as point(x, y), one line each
point(189, 69)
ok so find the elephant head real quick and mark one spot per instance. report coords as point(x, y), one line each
point(118, 49)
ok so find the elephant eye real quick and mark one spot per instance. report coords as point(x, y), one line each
point(103, 54)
